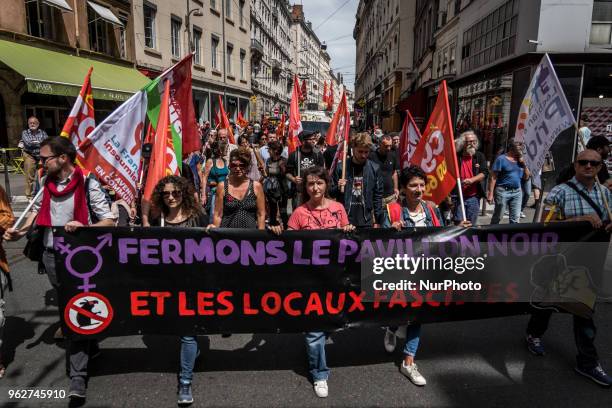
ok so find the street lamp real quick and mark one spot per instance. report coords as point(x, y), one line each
point(196, 12)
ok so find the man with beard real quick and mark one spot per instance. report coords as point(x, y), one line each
point(303, 158)
point(67, 201)
point(224, 144)
point(473, 171)
point(363, 185)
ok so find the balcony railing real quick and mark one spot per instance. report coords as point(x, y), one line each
point(257, 47)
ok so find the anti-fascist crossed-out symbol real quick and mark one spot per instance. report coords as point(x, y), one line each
point(106, 239)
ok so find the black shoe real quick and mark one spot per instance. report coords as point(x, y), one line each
point(78, 389)
point(185, 397)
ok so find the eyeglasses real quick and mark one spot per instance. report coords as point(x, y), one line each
point(43, 159)
point(173, 193)
point(593, 163)
point(240, 165)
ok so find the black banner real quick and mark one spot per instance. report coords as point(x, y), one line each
point(124, 281)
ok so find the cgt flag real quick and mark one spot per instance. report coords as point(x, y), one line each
point(81, 121)
point(435, 152)
point(544, 114)
point(112, 150)
point(163, 159)
point(339, 131)
point(409, 139)
point(182, 115)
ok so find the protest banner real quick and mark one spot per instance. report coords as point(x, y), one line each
point(123, 281)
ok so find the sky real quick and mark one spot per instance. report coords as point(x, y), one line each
point(336, 32)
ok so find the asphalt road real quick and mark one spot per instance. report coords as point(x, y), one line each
point(467, 364)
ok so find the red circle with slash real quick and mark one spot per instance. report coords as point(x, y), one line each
point(88, 313)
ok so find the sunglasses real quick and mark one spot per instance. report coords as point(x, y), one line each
point(173, 193)
point(593, 163)
point(234, 165)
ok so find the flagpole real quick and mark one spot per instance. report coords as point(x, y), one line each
point(343, 163)
point(28, 208)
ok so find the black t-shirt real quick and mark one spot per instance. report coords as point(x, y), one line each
point(603, 174)
point(388, 164)
point(307, 160)
point(357, 207)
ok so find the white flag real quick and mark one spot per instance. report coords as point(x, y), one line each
point(544, 114)
point(112, 149)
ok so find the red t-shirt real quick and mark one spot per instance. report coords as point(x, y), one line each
point(466, 172)
point(306, 218)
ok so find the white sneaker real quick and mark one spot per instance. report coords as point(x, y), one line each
point(413, 374)
point(320, 388)
point(390, 341)
point(523, 215)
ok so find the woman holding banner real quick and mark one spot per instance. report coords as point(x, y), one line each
point(415, 213)
point(318, 212)
point(174, 196)
point(240, 201)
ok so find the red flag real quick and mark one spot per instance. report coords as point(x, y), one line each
point(242, 122)
point(225, 123)
point(162, 157)
point(435, 152)
point(325, 92)
point(330, 97)
point(81, 120)
point(218, 118)
point(280, 129)
point(303, 91)
point(295, 124)
point(339, 130)
point(409, 139)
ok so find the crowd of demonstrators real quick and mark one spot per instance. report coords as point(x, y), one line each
point(249, 185)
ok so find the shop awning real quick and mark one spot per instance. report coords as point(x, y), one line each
point(61, 4)
point(105, 14)
point(55, 73)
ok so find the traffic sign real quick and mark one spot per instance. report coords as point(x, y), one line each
point(88, 313)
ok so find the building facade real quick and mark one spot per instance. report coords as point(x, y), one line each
point(46, 49)
point(217, 31)
point(487, 51)
point(384, 61)
point(271, 57)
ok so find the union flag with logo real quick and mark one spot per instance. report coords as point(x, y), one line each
point(435, 152)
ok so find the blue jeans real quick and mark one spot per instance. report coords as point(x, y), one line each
point(189, 353)
point(510, 198)
point(210, 204)
point(413, 336)
point(526, 187)
point(317, 363)
point(472, 208)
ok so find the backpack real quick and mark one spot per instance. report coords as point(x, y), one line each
point(109, 200)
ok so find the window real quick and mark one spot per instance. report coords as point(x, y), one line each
point(149, 24)
point(228, 9)
point(122, 37)
point(175, 36)
point(228, 67)
point(213, 4)
point(98, 32)
point(241, 13)
point(242, 60)
point(214, 49)
point(41, 19)
point(197, 45)
point(601, 26)
point(492, 38)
